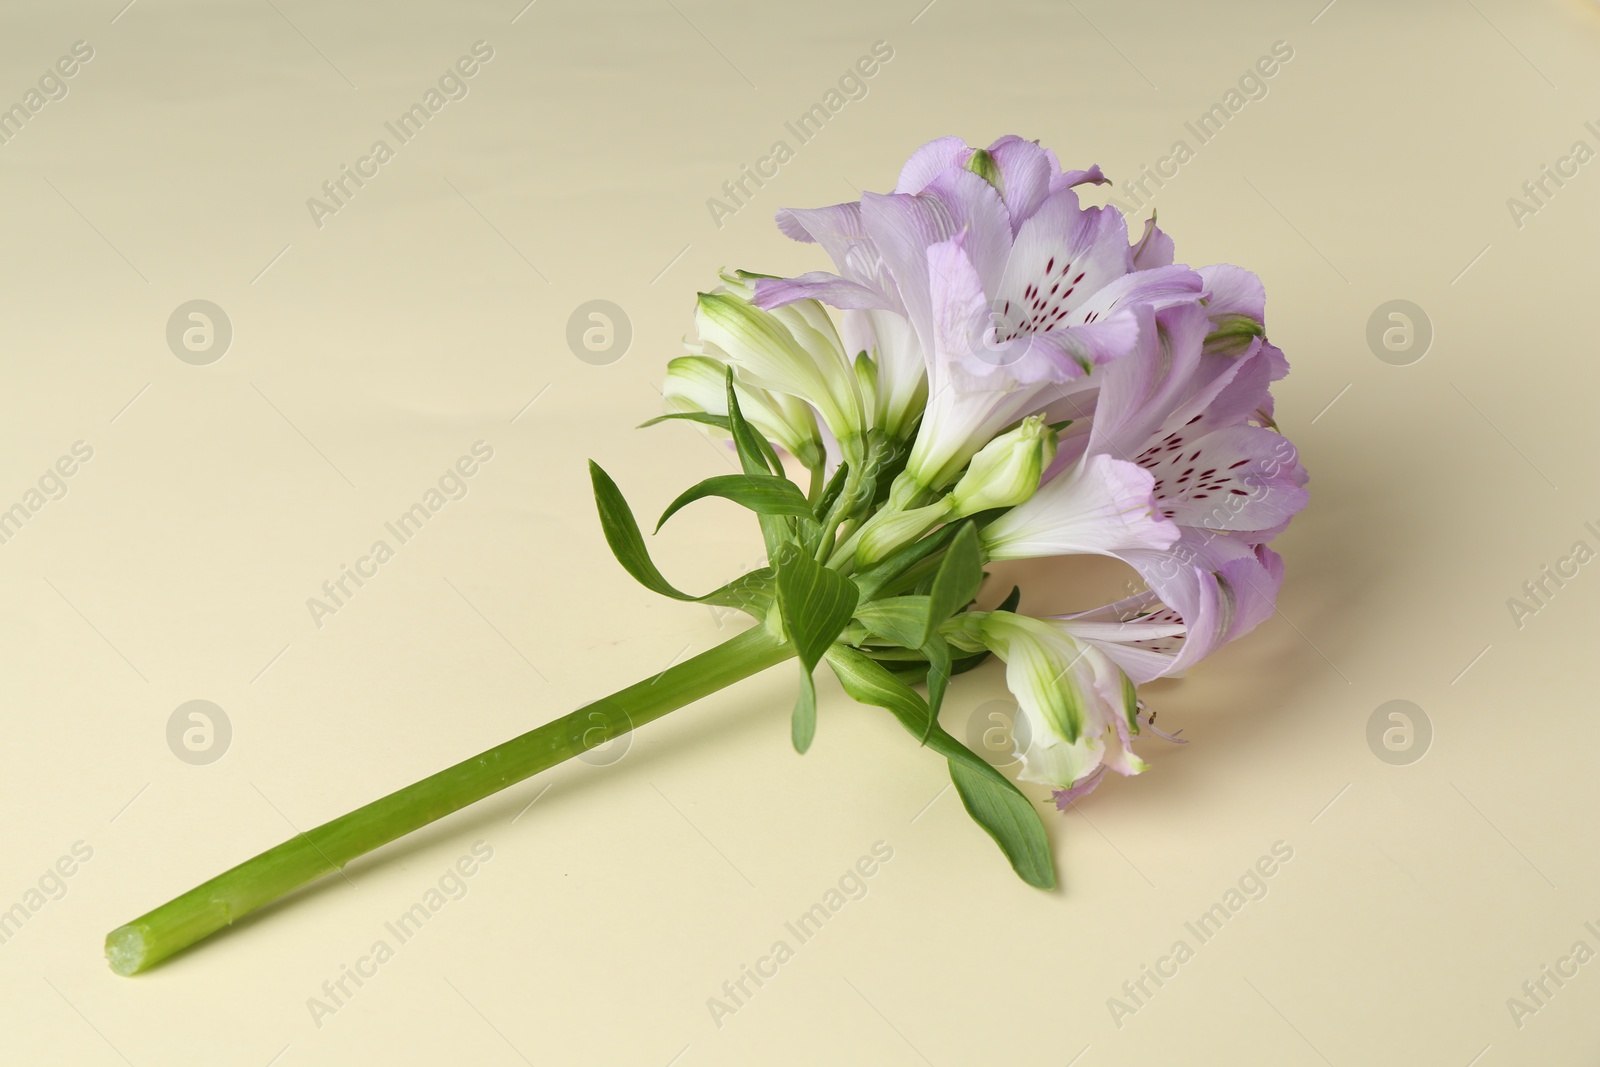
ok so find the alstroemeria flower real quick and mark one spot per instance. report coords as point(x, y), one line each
point(698, 384)
point(1080, 707)
point(1010, 286)
point(1184, 416)
point(793, 350)
point(1101, 506)
point(1149, 639)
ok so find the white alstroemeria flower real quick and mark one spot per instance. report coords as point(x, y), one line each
point(699, 384)
point(794, 350)
point(902, 378)
point(1081, 709)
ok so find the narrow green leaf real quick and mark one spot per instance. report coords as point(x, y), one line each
point(750, 592)
point(956, 583)
point(755, 453)
point(622, 534)
point(756, 456)
point(765, 494)
point(803, 723)
point(874, 579)
point(831, 491)
point(989, 797)
point(915, 670)
point(938, 653)
point(704, 418)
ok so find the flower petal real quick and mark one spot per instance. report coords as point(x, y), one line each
point(1239, 478)
point(1103, 506)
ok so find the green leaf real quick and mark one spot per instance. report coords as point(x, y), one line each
point(938, 653)
point(1008, 816)
point(755, 453)
point(902, 620)
point(956, 583)
point(756, 456)
point(765, 494)
point(831, 491)
point(719, 421)
point(897, 619)
point(989, 797)
point(748, 592)
point(918, 674)
point(622, 534)
point(816, 603)
point(874, 579)
point(803, 723)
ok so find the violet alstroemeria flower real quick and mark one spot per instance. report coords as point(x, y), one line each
point(987, 297)
point(1187, 418)
point(1011, 289)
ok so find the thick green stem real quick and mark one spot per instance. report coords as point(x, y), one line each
point(212, 905)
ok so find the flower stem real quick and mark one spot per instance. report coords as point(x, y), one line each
point(235, 893)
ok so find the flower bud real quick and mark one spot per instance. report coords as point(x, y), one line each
point(889, 529)
point(699, 384)
point(984, 166)
point(793, 350)
point(1236, 304)
point(1006, 471)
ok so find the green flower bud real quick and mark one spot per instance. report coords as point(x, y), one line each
point(983, 165)
point(889, 529)
point(1232, 336)
point(1007, 470)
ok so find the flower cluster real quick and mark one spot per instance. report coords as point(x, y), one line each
point(992, 371)
point(994, 352)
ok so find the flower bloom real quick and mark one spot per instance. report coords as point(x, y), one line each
point(1037, 362)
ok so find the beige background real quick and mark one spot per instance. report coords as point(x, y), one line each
point(430, 312)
